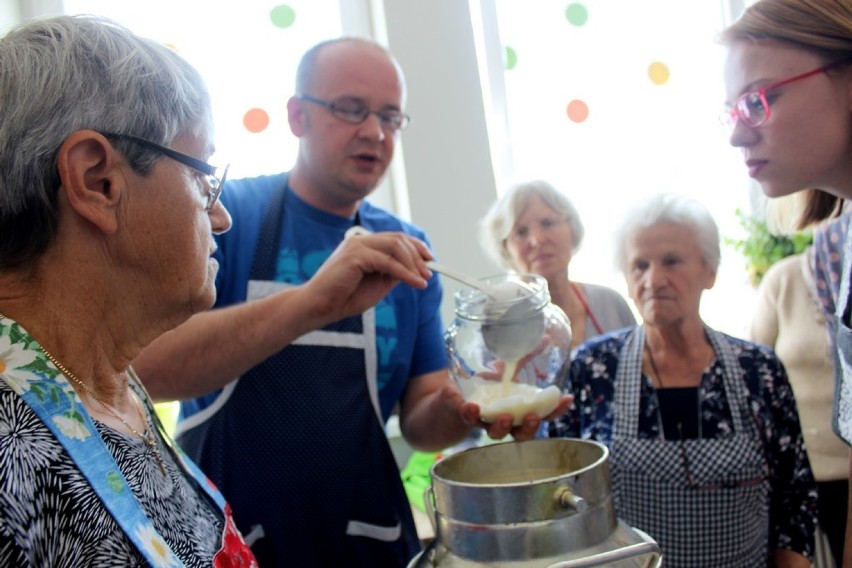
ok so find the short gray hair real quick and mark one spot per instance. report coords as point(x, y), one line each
point(498, 222)
point(674, 209)
point(68, 73)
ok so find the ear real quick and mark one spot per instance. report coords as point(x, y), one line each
point(296, 116)
point(711, 277)
point(92, 178)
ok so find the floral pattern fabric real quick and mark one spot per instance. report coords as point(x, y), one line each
point(770, 398)
point(50, 515)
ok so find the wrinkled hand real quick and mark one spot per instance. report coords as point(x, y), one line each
point(362, 270)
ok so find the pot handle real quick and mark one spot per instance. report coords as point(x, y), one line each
point(649, 546)
point(429, 498)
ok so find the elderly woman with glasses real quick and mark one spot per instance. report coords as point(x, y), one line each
point(107, 213)
point(788, 78)
point(535, 228)
point(706, 448)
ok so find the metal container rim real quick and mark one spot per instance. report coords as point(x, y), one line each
point(573, 473)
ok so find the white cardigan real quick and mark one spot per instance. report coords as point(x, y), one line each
point(788, 318)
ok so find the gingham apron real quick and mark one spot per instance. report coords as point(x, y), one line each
point(695, 527)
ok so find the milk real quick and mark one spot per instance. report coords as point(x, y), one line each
point(513, 328)
point(517, 399)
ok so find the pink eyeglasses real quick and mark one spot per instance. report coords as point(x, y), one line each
point(753, 109)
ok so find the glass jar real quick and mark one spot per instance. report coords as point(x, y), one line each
point(506, 349)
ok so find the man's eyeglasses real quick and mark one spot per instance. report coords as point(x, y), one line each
point(754, 109)
point(215, 176)
point(354, 111)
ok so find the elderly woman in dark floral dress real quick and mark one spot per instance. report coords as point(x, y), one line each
point(706, 448)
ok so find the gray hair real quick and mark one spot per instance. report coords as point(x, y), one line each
point(68, 73)
point(498, 222)
point(674, 209)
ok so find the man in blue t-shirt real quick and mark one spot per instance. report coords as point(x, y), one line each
point(290, 381)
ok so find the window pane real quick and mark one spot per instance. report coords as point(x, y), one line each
point(247, 53)
point(613, 100)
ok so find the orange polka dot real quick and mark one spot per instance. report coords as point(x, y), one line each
point(577, 110)
point(256, 120)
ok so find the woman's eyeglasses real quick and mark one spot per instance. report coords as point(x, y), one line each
point(215, 176)
point(521, 233)
point(754, 109)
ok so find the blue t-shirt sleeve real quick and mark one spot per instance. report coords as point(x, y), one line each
point(429, 352)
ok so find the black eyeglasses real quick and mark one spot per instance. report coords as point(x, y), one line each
point(215, 176)
point(354, 111)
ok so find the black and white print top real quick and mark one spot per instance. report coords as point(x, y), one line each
point(51, 517)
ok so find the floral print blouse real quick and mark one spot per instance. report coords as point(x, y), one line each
point(49, 513)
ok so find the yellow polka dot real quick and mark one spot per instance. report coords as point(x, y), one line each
point(658, 73)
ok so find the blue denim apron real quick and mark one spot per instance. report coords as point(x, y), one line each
point(298, 447)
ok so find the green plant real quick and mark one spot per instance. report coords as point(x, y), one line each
point(762, 249)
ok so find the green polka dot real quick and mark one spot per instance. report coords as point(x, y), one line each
point(510, 58)
point(116, 483)
point(282, 16)
point(576, 14)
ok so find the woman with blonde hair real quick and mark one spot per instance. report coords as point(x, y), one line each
point(535, 228)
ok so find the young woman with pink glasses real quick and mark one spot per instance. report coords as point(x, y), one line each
point(788, 79)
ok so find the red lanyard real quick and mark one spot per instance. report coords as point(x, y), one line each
point(583, 301)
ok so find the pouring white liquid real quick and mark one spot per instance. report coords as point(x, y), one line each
point(511, 336)
point(512, 339)
point(516, 399)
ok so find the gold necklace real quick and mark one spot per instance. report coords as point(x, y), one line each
point(147, 437)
